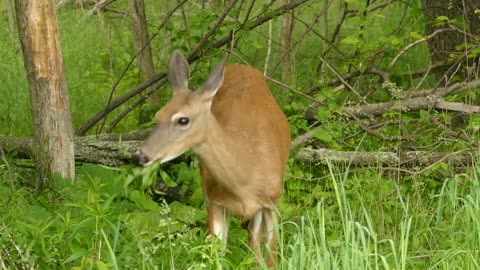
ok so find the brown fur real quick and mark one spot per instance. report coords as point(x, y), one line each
point(242, 138)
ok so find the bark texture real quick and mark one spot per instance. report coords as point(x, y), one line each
point(50, 108)
point(116, 150)
point(443, 44)
point(141, 43)
point(108, 149)
point(285, 41)
point(409, 159)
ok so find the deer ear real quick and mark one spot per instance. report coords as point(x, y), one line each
point(178, 71)
point(214, 81)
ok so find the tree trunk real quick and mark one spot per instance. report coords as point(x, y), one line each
point(38, 32)
point(142, 47)
point(443, 44)
point(285, 41)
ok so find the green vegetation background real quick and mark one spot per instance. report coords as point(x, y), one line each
point(334, 217)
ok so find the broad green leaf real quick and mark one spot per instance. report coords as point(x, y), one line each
point(416, 35)
point(395, 41)
point(352, 40)
point(77, 255)
point(102, 265)
point(143, 202)
point(323, 113)
point(323, 135)
point(167, 179)
point(257, 45)
point(442, 18)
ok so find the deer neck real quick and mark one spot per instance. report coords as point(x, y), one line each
point(221, 154)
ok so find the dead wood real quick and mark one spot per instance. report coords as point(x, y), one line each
point(108, 149)
point(410, 101)
point(116, 149)
point(407, 159)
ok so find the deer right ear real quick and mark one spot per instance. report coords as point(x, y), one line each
point(214, 81)
point(178, 71)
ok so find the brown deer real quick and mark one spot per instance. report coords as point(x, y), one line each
point(242, 138)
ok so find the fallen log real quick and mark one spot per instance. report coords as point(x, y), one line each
point(106, 149)
point(409, 101)
point(116, 149)
point(407, 159)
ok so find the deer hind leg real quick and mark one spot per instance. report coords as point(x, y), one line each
point(270, 217)
point(262, 227)
point(218, 223)
point(255, 234)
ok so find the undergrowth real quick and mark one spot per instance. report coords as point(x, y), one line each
point(333, 216)
point(105, 220)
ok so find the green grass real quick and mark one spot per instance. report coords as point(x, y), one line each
point(367, 221)
point(89, 72)
point(334, 217)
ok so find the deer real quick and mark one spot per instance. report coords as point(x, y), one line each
point(242, 138)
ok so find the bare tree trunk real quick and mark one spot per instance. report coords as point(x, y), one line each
point(285, 41)
point(38, 32)
point(443, 44)
point(140, 41)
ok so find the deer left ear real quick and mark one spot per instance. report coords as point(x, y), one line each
point(178, 71)
point(214, 81)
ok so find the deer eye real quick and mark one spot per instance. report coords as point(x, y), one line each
point(183, 121)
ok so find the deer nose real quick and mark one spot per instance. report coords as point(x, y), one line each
point(139, 158)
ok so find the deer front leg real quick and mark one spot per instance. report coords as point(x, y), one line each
point(218, 223)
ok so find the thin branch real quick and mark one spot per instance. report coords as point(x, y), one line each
point(293, 90)
point(249, 11)
point(310, 28)
point(414, 101)
point(381, 136)
point(302, 139)
point(442, 91)
point(421, 73)
point(119, 101)
point(451, 132)
point(99, 6)
point(411, 104)
point(117, 82)
point(192, 58)
point(342, 80)
point(137, 103)
point(416, 42)
point(153, 89)
point(212, 30)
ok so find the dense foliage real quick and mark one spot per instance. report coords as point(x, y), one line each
point(333, 215)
